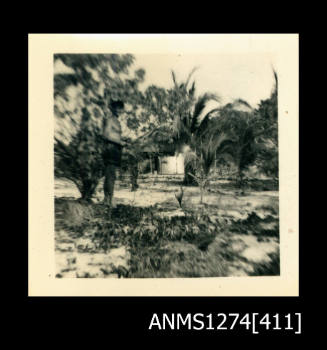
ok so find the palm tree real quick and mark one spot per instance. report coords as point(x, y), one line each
point(204, 157)
point(267, 113)
point(255, 132)
point(186, 126)
point(246, 127)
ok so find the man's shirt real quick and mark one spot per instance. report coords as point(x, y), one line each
point(112, 129)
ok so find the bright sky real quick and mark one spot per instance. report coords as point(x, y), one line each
point(245, 76)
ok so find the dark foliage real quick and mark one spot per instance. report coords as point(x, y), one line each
point(271, 268)
point(255, 225)
point(99, 86)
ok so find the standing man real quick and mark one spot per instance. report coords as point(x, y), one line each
point(113, 149)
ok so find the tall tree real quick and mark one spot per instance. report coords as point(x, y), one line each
point(255, 133)
point(267, 112)
point(203, 158)
point(81, 100)
point(238, 120)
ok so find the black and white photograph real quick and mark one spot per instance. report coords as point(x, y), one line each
point(167, 165)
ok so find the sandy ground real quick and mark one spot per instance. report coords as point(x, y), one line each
point(161, 192)
point(76, 258)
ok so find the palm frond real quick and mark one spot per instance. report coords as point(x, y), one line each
point(220, 139)
point(190, 157)
point(60, 147)
point(190, 75)
point(243, 102)
point(202, 128)
point(174, 78)
point(239, 105)
point(191, 91)
point(176, 126)
point(199, 107)
point(275, 76)
point(209, 149)
point(276, 80)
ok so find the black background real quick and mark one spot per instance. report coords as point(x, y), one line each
point(89, 319)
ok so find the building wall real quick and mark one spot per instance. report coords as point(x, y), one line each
point(172, 165)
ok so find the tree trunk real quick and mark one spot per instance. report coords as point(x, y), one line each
point(239, 171)
point(134, 176)
point(240, 181)
point(151, 165)
point(88, 189)
point(188, 179)
point(120, 172)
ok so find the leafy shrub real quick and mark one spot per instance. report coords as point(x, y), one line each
point(141, 227)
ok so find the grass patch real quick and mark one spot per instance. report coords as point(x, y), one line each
point(252, 184)
point(141, 227)
point(177, 259)
point(253, 224)
point(271, 268)
point(72, 214)
point(159, 246)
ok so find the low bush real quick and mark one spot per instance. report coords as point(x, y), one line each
point(138, 226)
